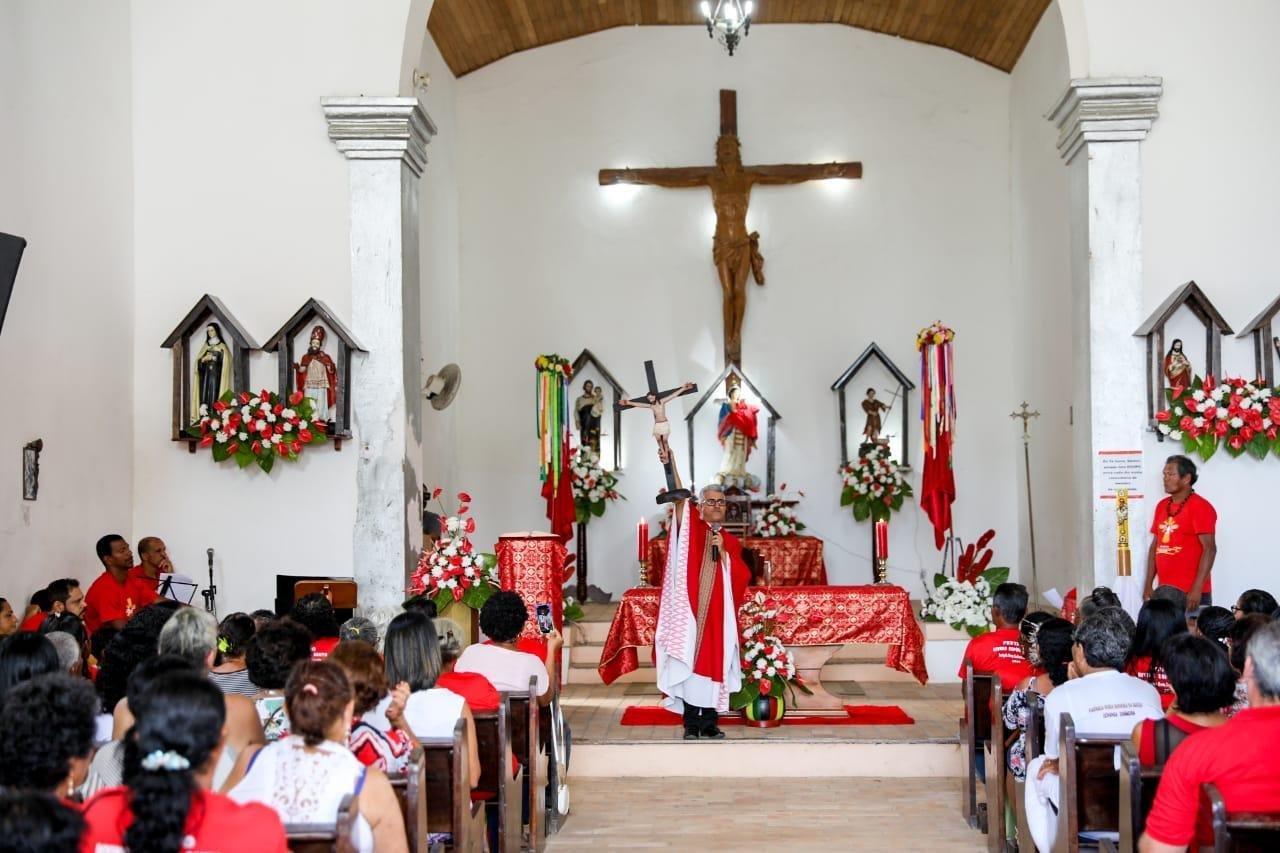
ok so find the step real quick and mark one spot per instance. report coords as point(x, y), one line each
point(757, 759)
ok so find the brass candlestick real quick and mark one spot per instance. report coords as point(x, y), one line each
point(882, 571)
point(644, 573)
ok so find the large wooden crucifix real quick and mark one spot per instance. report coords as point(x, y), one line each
point(735, 252)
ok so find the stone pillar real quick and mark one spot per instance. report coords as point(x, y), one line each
point(1102, 123)
point(384, 141)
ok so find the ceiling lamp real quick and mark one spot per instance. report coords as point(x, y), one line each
point(730, 23)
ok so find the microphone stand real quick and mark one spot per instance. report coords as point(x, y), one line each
point(210, 593)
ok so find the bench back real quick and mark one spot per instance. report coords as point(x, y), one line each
point(1239, 832)
point(996, 761)
point(448, 788)
point(337, 837)
point(411, 793)
point(976, 691)
point(1090, 800)
point(1137, 793)
point(526, 743)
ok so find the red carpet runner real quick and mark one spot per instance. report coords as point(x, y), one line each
point(859, 715)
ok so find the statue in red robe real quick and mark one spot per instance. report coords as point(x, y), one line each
point(316, 376)
point(738, 433)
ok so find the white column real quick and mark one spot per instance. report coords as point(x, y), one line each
point(384, 141)
point(1102, 123)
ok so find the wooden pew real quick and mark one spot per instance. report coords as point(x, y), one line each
point(976, 689)
point(336, 837)
point(448, 792)
point(411, 794)
point(1090, 785)
point(1239, 832)
point(526, 744)
point(1137, 793)
point(996, 761)
point(494, 734)
point(1035, 744)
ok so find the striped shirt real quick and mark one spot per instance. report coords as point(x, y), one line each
point(235, 682)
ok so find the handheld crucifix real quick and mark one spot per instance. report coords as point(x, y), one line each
point(735, 252)
point(656, 402)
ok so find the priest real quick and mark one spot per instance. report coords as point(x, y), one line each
point(696, 644)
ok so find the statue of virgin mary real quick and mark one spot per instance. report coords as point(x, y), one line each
point(211, 374)
point(737, 432)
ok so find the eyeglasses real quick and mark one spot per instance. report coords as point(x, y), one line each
point(715, 502)
point(1236, 608)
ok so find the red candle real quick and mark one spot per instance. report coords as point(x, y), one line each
point(882, 539)
point(642, 540)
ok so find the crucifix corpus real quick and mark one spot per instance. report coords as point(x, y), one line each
point(656, 402)
point(735, 252)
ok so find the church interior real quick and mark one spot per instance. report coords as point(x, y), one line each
point(780, 355)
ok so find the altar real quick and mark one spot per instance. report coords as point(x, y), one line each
point(795, 560)
point(815, 621)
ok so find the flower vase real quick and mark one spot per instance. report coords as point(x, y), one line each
point(468, 620)
point(765, 712)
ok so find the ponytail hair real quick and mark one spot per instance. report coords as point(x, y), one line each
point(177, 731)
point(314, 698)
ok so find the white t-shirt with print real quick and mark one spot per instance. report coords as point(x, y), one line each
point(505, 669)
point(1101, 703)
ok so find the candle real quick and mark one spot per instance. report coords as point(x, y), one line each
point(642, 540)
point(882, 539)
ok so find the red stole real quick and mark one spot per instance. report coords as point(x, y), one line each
point(709, 660)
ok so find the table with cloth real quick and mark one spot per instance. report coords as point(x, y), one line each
point(533, 564)
point(795, 560)
point(813, 622)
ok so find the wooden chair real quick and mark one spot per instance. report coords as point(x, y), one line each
point(1090, 785)
point(977, 718)
point(1239, 832)
point(448, 792)
point(494, 734)
point(996, 766)
point(526, 744)
point(411, 794)
point(1035, 744)
point(337, 837)
point(1137, 793)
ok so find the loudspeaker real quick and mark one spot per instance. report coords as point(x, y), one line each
point(10, 256)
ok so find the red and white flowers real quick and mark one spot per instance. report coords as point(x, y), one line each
point(767, 667)
point(454, 570)
point(874, 485)
point(257, 428)
point(1240, 414)
point(593, 487)
point(778, 519)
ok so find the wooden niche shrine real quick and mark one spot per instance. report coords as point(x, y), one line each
point(313, 355)
point(1165, 354)
point(1266, 342)
point(210, 357)
point(587, 417)
point(877, 412)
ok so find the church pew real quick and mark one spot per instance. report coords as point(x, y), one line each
point(1239, 832)
point(493, 739)
point(526, 743)
point(1090, 785)
point(996, 759)
point(411, 794)
point(336, 837)
point(1137, 793)
point(1035, 744)
point(976, 690)
point(448, 792)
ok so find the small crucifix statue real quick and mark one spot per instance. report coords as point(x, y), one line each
point(656, 402)
point(735, 252)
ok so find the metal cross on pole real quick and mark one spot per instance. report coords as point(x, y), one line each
point(1025, 416)
point(656, 401)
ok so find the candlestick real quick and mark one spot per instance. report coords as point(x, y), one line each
point(882, 571)
point(644, 573)
point(642, 540)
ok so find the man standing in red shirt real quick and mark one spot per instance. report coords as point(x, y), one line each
point(111, 599)
point(1182, 546)
point(1235, 757)
point(145, 577)
point(999, 651)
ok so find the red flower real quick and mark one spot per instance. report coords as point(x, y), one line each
point(1236, 442)
point(1209, 412)
point(219, 406)
point(245, 396)
point(1177, 391)
point(462, 510)
point(888, 501)
point(295, 446)
point(1273, 431)
point(470, 526)
point(1221, 428)
point(305, 435)
point(1191, 404)
point(265, 395)
point(1247, 433)
point(277, 409)
point(256, 447)
point(295, 398)
point(1186, 424)
point(436, 492)
point(463, 497)
point(282, 449)
point(1160, 416)
point(765, 686)
point(1208, 383)
point(206, 441)
point(457, 593)
point(267, 431)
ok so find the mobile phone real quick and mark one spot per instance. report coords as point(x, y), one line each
point(544, 618)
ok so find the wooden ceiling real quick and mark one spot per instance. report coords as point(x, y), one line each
point(473, 33)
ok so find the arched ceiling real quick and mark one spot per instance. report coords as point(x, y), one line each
point(473, 33)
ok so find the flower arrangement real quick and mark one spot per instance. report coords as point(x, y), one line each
point(964, 604)
point(257, 428)
point(453, 570)
point(593, 487)
point(873, 485)
point(778, 519)
point(936, 334)
point(1242, 415)
point(553, 363)
point(767, 667)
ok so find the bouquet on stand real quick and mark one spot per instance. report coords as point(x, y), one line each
point(768, 669)
point(453, 571)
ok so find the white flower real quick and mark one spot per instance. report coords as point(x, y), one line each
point(204, 409)
point(244, 412)
point(1222, 414)
point(1236, 423)
point(451, 523)
point(221, 438)
point(288, 427)
point(258, 425)
point(771, 671)
point(289, 413)
point(760, 664)
point(1198, 395)
point(275, 439)
point(302, 424)
point(271, 418)
point(1199, 422)
point(253, 401)
point(244, 436)
point(215, 423)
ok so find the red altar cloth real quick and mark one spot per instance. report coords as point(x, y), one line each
point(807, 616)
point(797, 560)
point(534, 567)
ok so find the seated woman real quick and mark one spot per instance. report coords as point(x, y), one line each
point(388, 751)
point(1049, 651)
point(1158, 620)
point(1214, 623)
point(305, 775)
point(47, 737)
point(501, 661)
point(1254, 601)
point(315, 613)
point(1203, 684)
point(477, 690)
point(271, 656)
point(1237, 644)
point(8, 619)
point(24, 656)
point(230, 672)
point(167, 803)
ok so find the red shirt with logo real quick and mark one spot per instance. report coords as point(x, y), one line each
point(144, 588)
point(1001, 653)
point(216, 824)
point(108, 600)
point(1153, 674)
point(1177, 530)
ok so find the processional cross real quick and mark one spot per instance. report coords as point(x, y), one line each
point(656, 401)
point(735, 252)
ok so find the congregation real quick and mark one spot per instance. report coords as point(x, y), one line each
point(133, 721)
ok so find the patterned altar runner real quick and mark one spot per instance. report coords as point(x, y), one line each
point(797, 560)
point(534, 567)
point(807, 616)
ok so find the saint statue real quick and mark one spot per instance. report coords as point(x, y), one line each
point(589, 410)
point(873, 408)
point(1177, 369)
point(316, 376)
point(737, 433)
point(211, 374)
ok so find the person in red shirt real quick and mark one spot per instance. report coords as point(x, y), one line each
point(153, 561)
point(110, 600)
point(1183, 546)
point(177, 741)
point(314, 612)
point(1234, 757)
point(1158, 621)
point(1204, 682)
point(1000, 651)
point(64, 596)
point(478, 691)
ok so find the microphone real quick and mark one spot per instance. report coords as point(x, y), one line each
point(715, 550)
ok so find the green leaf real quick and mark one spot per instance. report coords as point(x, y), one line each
point(1208, 446)
point(488, 560)
point(597, 509)
point(996, 575)
point(476, 596)
point(1259, 446)
point(574, 612)
point(861, 511)
point(266, 461)
point(749, 693)
point(581, 514)
point(846, 496)
point(1275, 448)
point(974, 630)
point(244, 459)
point(1189, 443)
point(939, 579)
point(443, 598)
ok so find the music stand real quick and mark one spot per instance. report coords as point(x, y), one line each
point(185, 586)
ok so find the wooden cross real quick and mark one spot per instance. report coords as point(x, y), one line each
point(735, 252)
point(656, 401)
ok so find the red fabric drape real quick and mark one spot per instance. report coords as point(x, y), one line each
point(938, 487)
point(560, 509)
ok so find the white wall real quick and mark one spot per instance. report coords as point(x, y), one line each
point(65, 353)
point(1041, 331)
point(1209, 213)
point(552, 262)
